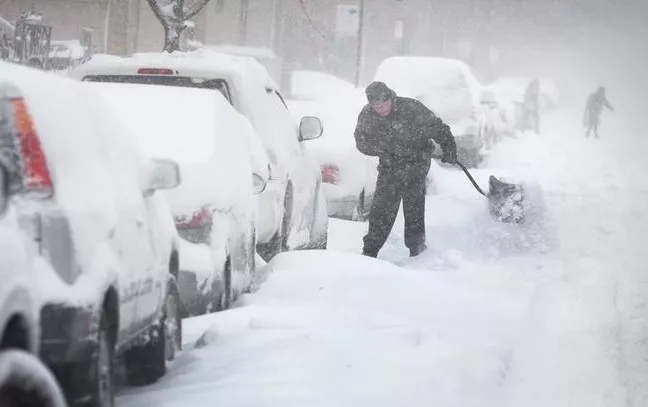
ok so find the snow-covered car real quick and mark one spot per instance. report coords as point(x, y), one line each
point(292, 209)
point(348, 177)
point(214, 207)
point(449, 88)
point(316, 85)
point(87, 201)
point(24, 379)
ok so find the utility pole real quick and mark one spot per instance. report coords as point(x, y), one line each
point(243, 22)
point(360, 43)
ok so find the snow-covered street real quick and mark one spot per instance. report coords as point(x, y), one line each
point(551, 313)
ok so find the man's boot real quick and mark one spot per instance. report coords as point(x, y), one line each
point(369, 253)
point(417, 250)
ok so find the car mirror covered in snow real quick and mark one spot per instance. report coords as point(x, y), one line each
point(310, 128)
point(162, 174)
point(258, 184)
point(4, 189)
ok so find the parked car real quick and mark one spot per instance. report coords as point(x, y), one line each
point(214, 208)
point(449, 88)
point(24, 379)
point(348, 177)
point(292, 209)
point(88, 202)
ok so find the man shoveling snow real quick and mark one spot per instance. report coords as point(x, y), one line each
point(400, 131)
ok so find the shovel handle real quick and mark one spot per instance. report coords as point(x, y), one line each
point(470, 177)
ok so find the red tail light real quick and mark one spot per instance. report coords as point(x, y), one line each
point(198, 219)
point(36, 172)
point(155, 71)
point(330, 174)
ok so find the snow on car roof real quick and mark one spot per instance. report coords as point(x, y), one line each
point(203, 133)
point(202, 63)
point(183, 131)
point(254, 52)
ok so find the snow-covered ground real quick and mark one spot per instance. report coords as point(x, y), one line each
point(552, 313)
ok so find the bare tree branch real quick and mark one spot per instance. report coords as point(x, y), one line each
point(157, 10)
point(174, 17)
point(193, 11)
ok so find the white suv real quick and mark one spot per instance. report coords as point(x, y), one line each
point(86, 198)
point(24, 380)
point(292, 209)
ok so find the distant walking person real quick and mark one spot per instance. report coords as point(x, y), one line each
point(531, 107)
point(400, 131)
point(593, 110)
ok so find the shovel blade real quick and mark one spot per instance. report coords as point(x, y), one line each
point(506, 201)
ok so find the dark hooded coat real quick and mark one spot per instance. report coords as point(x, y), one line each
point(405, 135)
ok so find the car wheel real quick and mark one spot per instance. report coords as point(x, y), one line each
point(94, 381)
point(146, 363)
point(279, 242)
point(322, 243)
point(26, 382)
point(172, 326)
point(226, 295)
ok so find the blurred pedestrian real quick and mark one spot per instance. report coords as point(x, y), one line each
point(531, 107)
point(400, 132)
point(593, 109)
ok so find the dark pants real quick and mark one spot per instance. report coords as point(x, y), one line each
point(396, 182)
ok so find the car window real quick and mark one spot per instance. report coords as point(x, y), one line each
point(164, 80)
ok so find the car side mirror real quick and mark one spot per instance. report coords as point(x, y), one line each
point(259, 184)
point(310, 128)
point(162, 174)
point(4, 189)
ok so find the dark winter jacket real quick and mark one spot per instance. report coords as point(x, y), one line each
point(404, 135)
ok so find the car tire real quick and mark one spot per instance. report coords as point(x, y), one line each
point(225, 298)
point(93, 382)
point(26, 382)
point(322, 244)
point(146, 363)
point(279, 242)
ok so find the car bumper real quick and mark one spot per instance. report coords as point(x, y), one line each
point(68, 334)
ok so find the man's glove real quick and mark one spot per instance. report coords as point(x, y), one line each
point(449, 156)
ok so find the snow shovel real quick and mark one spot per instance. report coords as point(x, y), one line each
point(505, 201)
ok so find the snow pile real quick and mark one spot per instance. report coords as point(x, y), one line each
point(335, 329)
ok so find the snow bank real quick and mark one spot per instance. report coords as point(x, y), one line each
point(338, 329)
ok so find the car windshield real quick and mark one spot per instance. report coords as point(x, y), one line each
point(166, 80)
